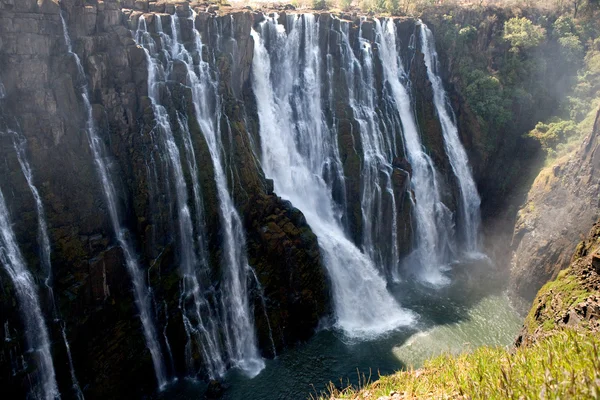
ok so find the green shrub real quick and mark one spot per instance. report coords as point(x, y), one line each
point(345, 4)
point(320, 5)
point(523, 34)
point(486, 97)
point(550, 135)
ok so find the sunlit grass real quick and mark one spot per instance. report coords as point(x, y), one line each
point(564, 365)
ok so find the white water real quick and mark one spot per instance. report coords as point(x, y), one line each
point(19, 143)
point(206, 334)
point(433, 220)
point(470, 200)
point(76, 388)
point(35, 328)
point(380, 236)
point(235, 319)
point(296, 147)
point(43, 238)
point(141, 292)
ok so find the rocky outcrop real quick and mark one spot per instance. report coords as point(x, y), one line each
point(561, 206)
point(572, 300)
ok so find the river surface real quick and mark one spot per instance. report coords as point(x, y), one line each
point(472, 311)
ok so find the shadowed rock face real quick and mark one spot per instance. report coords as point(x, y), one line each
point(561, 206)
point(92, 288)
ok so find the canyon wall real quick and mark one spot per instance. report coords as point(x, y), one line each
point(561, 206)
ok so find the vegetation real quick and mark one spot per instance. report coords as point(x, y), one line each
point(523, 34)
point(565, 365)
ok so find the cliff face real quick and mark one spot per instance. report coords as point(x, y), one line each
point(91, 287)
point(561, 206)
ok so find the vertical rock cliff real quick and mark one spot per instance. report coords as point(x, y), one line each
point(561, 206)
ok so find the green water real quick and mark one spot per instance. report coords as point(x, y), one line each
point(471, 312)
point(491, 322)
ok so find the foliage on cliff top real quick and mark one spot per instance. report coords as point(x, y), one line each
point(565, 365)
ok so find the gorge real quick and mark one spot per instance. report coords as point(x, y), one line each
point(241, 203)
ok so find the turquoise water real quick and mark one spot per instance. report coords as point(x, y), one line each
point(471, 312)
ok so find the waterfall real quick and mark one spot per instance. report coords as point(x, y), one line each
point(378, 152)
point(296, 149)
point(469, 197)
point(141, 292)
point(19, 142)
point(36, 331)
point(76, 388)
point(234, 316)
point(432, 217)
point(205, 333)
point(2, 91)
point(44, 242)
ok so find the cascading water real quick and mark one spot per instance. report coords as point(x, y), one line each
point(36, 331)
point(234, 319)
point(76, 388)
point(192, 301)
point(433, 219)
point(141, 292)
point(470, 200)
point(44, 243)
point(43, 238)
point(296, 148)
point(380, 238)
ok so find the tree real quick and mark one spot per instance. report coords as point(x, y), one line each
point(566, 34)
point(522, 33)
point(346, 4)
point(320, 5)
point(392, 6)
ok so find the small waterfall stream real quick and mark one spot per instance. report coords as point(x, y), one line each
point(470, 201)
point(141, 292)
point(36, 331)
point(19, 143)
point(296, 148)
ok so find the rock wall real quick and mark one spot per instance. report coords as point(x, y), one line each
point(561, 207)
point(91, 286)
